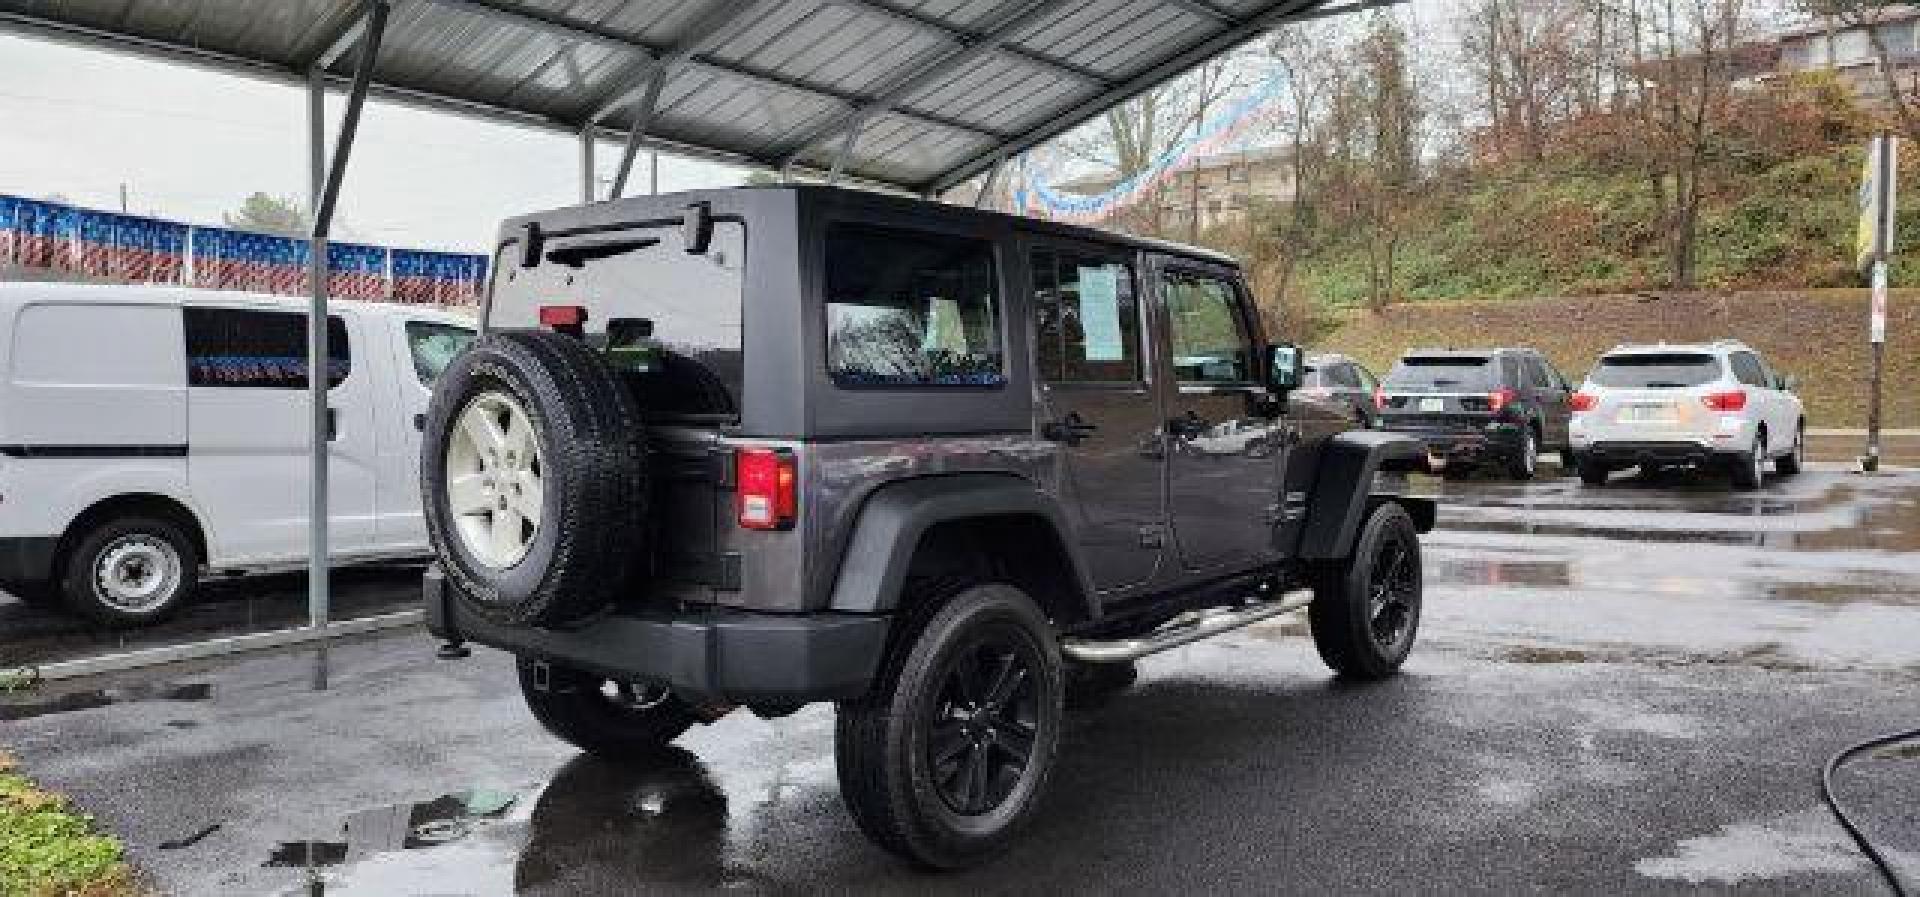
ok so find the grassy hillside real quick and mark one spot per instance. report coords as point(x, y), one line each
point(1820, 335)
point(1568, 231)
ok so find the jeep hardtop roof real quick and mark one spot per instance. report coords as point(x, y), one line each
point(667, 205)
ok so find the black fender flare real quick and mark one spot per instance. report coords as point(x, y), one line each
point(893, 519)
point(1343, 496)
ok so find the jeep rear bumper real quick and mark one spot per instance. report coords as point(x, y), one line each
point(717, 655)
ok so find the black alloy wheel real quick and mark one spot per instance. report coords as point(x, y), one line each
point(1393, 590)
point(1366, 609)
point(986, 714)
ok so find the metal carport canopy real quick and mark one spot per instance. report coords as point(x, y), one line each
point(915, 94)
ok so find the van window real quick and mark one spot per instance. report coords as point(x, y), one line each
point(251, 349)
point(911, 308)
point(433, 346)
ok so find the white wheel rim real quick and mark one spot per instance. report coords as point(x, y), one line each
point(494, 487)
point(137, 573)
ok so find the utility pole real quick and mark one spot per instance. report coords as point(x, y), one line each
point(1877, 245)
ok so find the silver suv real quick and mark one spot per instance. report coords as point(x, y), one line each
point(1696, 405)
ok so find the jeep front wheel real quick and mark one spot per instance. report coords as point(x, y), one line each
point(616, 720)
point(1366, 610)
point(946, 760)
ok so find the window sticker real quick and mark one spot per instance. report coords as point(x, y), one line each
point(1100, 313)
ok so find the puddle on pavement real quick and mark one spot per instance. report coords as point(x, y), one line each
point(1765, 539)
point(1771, 656)
point(1843, 593)
point(657, 823)
point(28, 706)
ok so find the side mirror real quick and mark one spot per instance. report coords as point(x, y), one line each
point(696, 228)
point(1286, 367)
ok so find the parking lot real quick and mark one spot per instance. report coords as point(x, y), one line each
point(1618, 690)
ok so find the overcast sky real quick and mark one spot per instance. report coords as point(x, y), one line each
point(190, 143)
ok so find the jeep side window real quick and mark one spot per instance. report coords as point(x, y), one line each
point(1210, 343)
point(1086, 319)
point(911, 308)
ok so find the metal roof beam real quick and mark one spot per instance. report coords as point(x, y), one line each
point(1206, 10)
point(1283, 12)
point(719, 24)
point(581, 31)
point(335, 34)
point(964, 37)
point(917, 78)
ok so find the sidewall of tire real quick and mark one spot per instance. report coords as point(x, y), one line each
point(77, 587)
point(587, 550)
point(884, 773)
point(1338, 615)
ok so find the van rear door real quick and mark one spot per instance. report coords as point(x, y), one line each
point(248, 430)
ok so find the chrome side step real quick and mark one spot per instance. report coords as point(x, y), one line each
point(1184, 629)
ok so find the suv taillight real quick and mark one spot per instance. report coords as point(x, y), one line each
point(766, 488)
point(1582, 401)
point(1499, 399)
point(1731, 400)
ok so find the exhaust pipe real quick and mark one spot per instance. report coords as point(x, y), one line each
point(1184, 629)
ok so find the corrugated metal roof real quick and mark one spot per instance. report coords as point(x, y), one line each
point(932, 91)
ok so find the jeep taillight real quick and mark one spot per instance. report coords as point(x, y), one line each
point(766, 483)
point(1582, 401)
point(567, 319)
point(1731, 400)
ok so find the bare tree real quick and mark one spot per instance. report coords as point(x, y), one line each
point(1683, 64)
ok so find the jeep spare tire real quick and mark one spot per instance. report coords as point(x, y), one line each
point(533, 475)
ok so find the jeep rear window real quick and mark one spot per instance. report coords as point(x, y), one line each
point(911, 308)
point(691, 302)
point(1443, 373)
point(1675, 370)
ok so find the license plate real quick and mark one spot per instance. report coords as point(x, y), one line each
point(1433, 404)
point(1648, 414)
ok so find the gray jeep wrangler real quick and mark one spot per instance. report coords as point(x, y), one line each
point(949, 468)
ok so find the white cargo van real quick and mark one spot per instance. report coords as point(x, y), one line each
point(151, 435)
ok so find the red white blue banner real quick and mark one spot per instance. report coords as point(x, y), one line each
point(135, 249)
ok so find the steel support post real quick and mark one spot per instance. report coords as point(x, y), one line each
point(327, 174)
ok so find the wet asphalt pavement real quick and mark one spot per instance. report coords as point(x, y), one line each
point(1623, 690)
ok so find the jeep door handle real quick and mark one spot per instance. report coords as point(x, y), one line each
point(1070, 429)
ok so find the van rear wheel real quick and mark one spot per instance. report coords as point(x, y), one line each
point(130, 571)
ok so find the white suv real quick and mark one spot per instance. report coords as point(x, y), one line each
point(1700, 405)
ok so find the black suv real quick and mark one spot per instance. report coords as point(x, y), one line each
point(1473, 406)
point(769, 446)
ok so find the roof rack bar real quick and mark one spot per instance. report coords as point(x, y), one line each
point(1274, 14)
